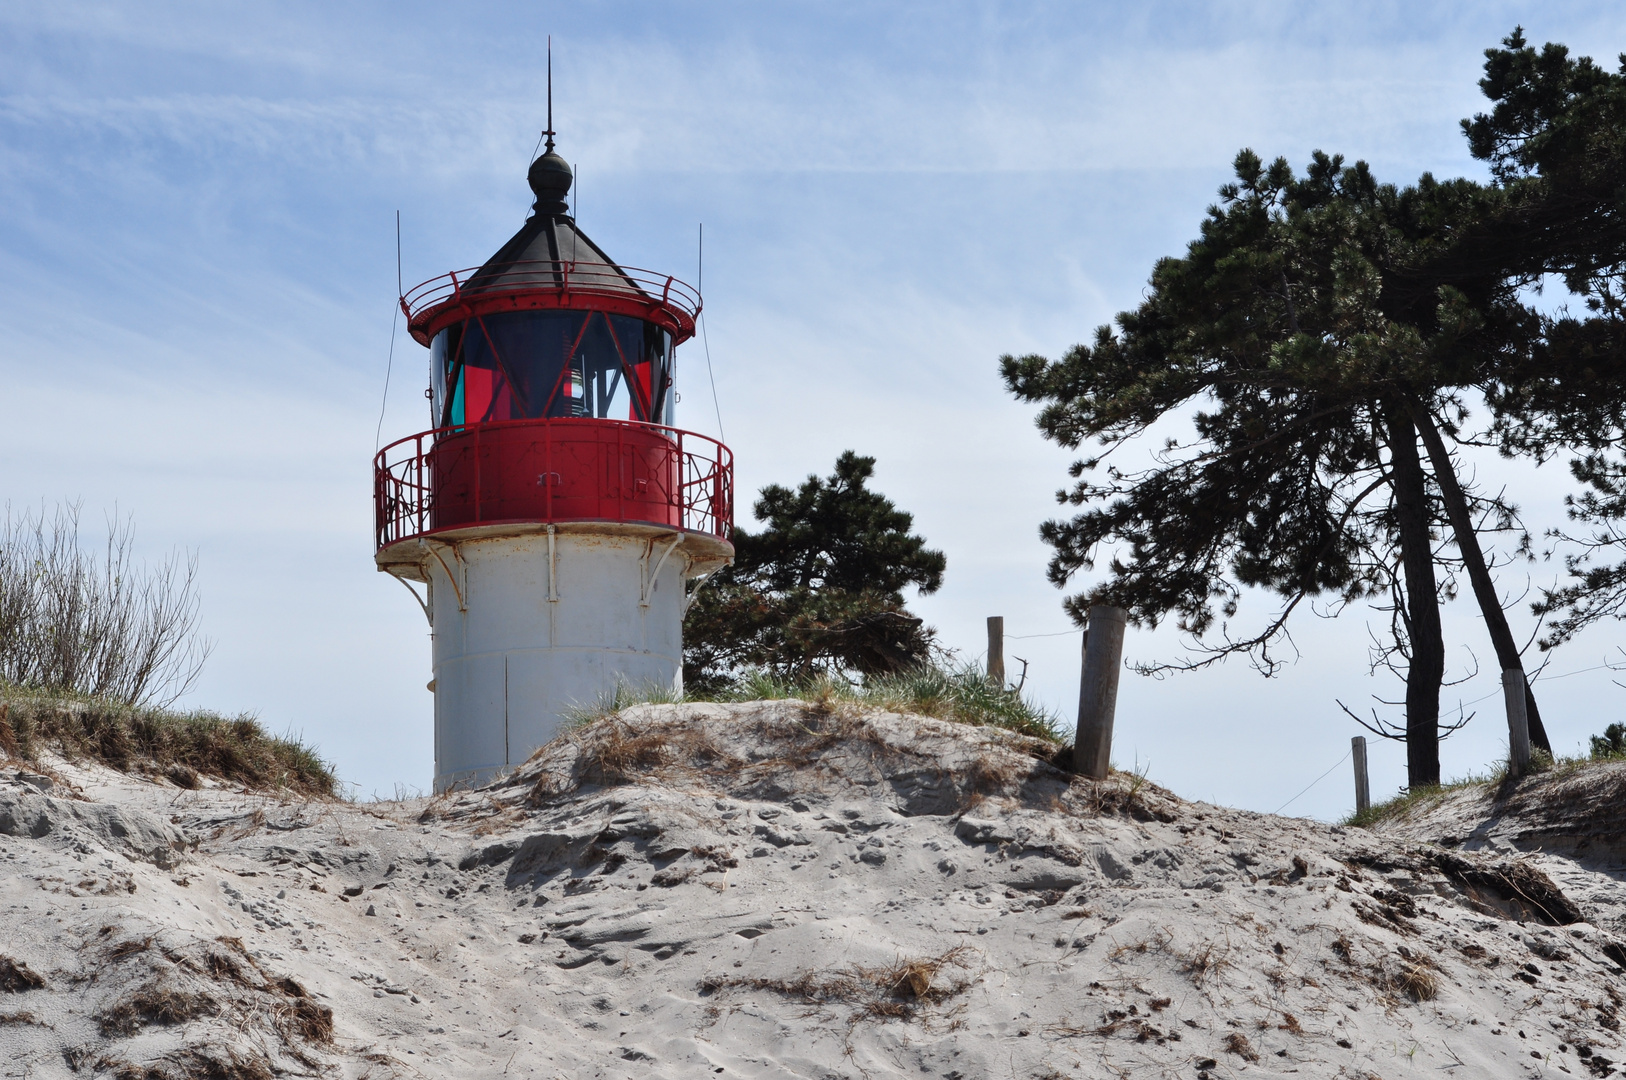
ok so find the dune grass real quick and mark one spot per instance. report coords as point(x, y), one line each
point(178, 745)
point(1494, 779)
point(963, 696)
point(1417, 800)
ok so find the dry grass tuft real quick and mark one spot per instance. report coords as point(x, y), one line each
point(294, 1012)
point(611, 751)
point(184, 776)
point(10, 748)
point(126, 949)
point(224, 968)
point(159, 742)
point(22, 1016)
point(1123, 794)
point(155, 1004)
point(1416, 982)
point(305, 1019)
point(220, 979)
point(192, 1063)
point(1512, 888)
point(16, 976)
point(617, 754)
point(896, 991)
point(963, 696)
point(1205, 962)
point(785, 749)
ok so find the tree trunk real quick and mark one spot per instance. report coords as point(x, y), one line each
point(1426, 671)
point(1462, 527)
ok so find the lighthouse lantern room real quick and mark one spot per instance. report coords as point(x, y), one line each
point(558, 519)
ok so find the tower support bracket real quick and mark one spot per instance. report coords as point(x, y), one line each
point(649, 578)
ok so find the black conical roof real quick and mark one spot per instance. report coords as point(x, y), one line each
point(550, 247)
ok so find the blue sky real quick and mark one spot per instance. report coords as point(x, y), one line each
point(197, 273)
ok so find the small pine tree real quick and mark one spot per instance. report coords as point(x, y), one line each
point(1611, 744)
point(818, 591)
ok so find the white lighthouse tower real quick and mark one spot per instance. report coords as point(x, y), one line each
point(553, 511)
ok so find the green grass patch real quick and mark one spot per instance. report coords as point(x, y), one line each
point(1416, 800)
point(1419, 800)
point(964, 696)
point(177, 745)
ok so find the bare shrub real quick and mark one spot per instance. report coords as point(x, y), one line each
point(104, 626)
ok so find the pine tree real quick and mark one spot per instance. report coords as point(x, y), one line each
point(819, 590)
point(1317, 331)
point(1555, 139)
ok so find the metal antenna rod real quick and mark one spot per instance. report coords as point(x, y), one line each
point(549, 131)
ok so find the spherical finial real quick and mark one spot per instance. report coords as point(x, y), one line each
point(550, 179)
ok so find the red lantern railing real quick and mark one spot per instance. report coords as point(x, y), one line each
point(626, 290)
point(550, 471)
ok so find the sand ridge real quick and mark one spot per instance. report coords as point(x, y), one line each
point(787, 890)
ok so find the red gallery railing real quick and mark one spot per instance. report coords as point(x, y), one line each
point(553, 470)
point(626, 290)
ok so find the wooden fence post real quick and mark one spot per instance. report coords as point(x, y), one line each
point(1363, 792)
point(1098, 691)
point(1518, 723)
point(996, 650)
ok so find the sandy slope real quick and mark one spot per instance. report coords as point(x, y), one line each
point(775, 891)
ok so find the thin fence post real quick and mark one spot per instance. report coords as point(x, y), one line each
point(1098, 691)
point(1363, 791)
point(996, 650)
point(1518, 723)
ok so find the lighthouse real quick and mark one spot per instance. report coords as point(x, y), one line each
point(558, 519)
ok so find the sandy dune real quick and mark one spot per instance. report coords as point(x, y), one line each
point(774, 890)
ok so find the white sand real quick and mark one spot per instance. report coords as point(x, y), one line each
point(730, 910)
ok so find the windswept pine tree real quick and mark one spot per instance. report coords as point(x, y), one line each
point(1314, 357)
point(1555, 139)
